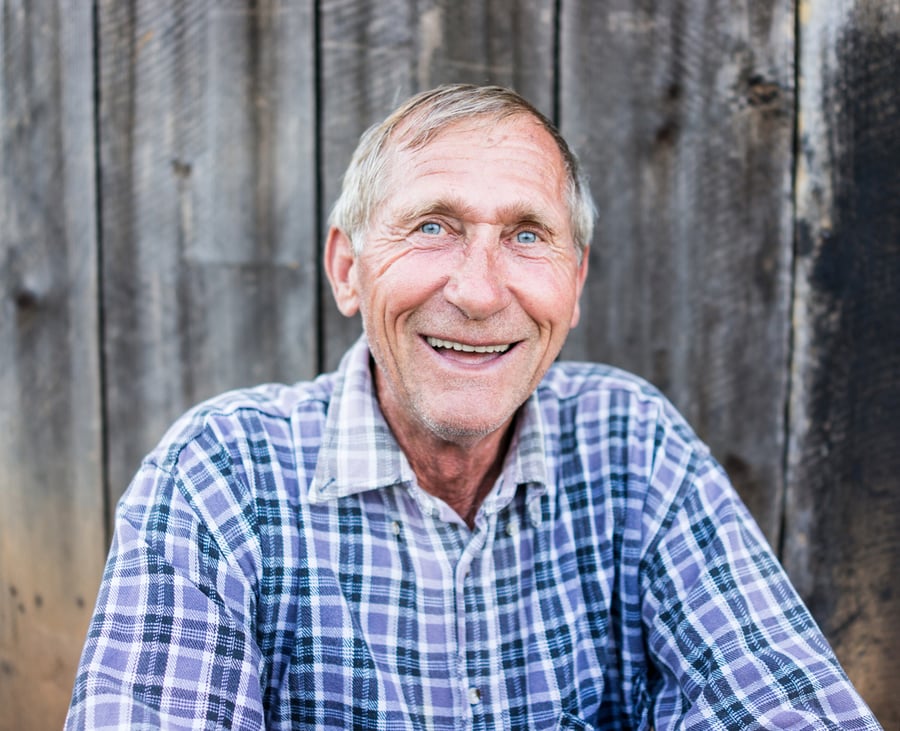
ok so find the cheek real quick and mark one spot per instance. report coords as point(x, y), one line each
point(550, 299)
point(390, 303)
point(411, 282)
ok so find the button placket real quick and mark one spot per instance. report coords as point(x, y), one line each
point(466, 580)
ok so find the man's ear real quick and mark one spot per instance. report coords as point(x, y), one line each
point(579, 285)
point(340, 266)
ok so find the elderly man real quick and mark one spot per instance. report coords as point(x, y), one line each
point(451, 531)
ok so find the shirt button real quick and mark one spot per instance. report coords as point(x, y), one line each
point(474, 696)
point(512, 529)
point(395, 528)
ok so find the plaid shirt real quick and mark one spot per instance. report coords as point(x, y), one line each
point(275, 565)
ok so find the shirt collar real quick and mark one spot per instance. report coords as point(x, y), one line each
point(359, 451)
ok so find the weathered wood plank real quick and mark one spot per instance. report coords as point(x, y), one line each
point(207, 129)
point(373, 56)
point(683, 115)
point(843, 506)
point(52, 537)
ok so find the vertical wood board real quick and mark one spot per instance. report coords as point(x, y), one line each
point(52, 539)
point(683, 116)
point(843, 507)
point(207, 128)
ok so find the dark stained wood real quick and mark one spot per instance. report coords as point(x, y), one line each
point(207, 129)
point(52, 538)
point(683, 115)
point(375, 55)
point(843, 519)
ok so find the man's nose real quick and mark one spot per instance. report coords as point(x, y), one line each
point(477, 285)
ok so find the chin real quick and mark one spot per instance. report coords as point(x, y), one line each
point(461, 430)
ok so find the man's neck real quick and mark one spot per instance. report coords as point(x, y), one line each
point(460, 470)
point(460, 476)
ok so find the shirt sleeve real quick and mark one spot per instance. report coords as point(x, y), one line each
point(730, 641)
point(171, 642)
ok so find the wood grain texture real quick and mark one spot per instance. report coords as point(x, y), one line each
point(683, 115)
point(843, 517)
point(374, 56)
point(52, 537)
point(207, 129)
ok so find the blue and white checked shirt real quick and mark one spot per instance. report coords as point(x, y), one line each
point(275, 565)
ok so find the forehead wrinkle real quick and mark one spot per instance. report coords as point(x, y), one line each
point(446, 206)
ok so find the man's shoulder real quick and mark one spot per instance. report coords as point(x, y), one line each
point(260, 412)
point(572, 380)
point(604, 400)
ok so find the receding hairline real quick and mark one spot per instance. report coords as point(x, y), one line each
point(402, 138)
point(402, 135)
point(487, 104)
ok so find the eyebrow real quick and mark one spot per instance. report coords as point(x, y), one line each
point(454, 207)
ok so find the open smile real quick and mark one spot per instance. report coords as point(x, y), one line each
point(439, 344)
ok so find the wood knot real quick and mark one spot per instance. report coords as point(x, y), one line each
point(26, 298)
point(762, 93)
point(181, 169)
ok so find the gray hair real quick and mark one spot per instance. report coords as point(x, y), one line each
point(422, 118)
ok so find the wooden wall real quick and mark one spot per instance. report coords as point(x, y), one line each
point(166, 168)
point(52, 537)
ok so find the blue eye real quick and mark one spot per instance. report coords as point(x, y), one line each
point(431, 228)
point(526, 237)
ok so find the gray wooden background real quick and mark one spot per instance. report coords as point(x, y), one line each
point(165, 171)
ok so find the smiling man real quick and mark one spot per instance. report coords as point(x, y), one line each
point(452, 531)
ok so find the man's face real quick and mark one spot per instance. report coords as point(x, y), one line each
point(468, 280)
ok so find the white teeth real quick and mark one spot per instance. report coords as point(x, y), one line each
point(438, 343)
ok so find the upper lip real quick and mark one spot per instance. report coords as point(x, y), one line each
point(468, 346)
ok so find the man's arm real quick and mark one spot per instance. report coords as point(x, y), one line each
point(732, 643)
point(170, 644)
